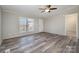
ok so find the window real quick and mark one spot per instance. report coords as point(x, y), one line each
point(30, 24)
point(26, 24)
point(22, 24)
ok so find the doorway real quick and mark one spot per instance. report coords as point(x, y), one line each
point(71, 25)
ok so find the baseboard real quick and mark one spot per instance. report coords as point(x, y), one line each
point(17, 35)
point(57, 33)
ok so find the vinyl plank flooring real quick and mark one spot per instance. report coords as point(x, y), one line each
point(39, 43)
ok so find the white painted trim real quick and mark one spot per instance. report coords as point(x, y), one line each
point(77, 27)
point(65, 24)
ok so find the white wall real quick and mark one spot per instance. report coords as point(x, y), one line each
point(41, 24)
point(10, 25)
point(0, 26)
point(55, 25)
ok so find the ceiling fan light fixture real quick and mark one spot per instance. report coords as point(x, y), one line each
point(47, 10)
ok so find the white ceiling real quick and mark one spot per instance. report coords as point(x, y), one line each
point(33, 10)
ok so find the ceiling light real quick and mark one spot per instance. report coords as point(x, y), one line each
point(47, 10)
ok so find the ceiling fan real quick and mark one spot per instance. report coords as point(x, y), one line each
point(47, 8)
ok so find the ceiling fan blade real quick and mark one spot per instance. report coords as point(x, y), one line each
point(53, 8)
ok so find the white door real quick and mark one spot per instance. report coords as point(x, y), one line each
point(71, 25)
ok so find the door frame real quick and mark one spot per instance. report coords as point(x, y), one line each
point(76, 25)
